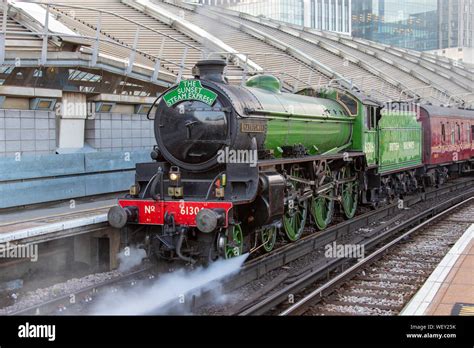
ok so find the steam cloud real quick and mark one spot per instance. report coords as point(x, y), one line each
point(130, 258)
point(169, 288)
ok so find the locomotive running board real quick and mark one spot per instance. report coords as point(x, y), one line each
point(273, 162)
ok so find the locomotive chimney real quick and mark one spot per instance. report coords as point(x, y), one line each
point(210, 69)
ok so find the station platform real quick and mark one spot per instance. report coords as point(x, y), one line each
point(450, 288)
point(44, 222)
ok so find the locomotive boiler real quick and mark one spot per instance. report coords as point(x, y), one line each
point(200, 117)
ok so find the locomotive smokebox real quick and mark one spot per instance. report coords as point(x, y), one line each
point(210, 69)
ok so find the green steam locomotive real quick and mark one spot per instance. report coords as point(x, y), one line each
point(236, 166)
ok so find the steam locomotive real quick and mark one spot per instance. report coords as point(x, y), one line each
point(236, 166)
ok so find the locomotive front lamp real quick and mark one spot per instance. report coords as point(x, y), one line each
point(175, 189)
point(174, 176)
point(134, 190)
point(220, 185)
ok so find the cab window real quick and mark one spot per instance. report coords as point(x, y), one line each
point(349, 103)
point(371, 117)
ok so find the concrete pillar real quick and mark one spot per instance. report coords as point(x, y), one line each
point(86, 248)
point(82, 249)
point(114, 237)
point(72, 116)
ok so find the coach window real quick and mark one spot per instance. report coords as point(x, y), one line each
point(443, 133)
point(472, 134)
point(459, 133)
point(453, 135)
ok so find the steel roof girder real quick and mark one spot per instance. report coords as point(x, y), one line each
point(33, 62)
point(406, 56)
point(189, 29)
point(286, 47)
point(288, 30)
point(410, 59)
point(185, 5)
point(385, 59)
point(289, 49)
point(345, 56)
point(427, 66)
point(389, 49)
point(441, 73)
point(327, 47)
point(421, 77)
point(350, 44)
point(72, 59)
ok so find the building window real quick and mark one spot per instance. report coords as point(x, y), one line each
point(408, 24)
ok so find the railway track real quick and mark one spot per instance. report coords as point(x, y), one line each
point(291, 251)
point(63, 304)
point(261, 265)
point(384, 281)
point(403, 270)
